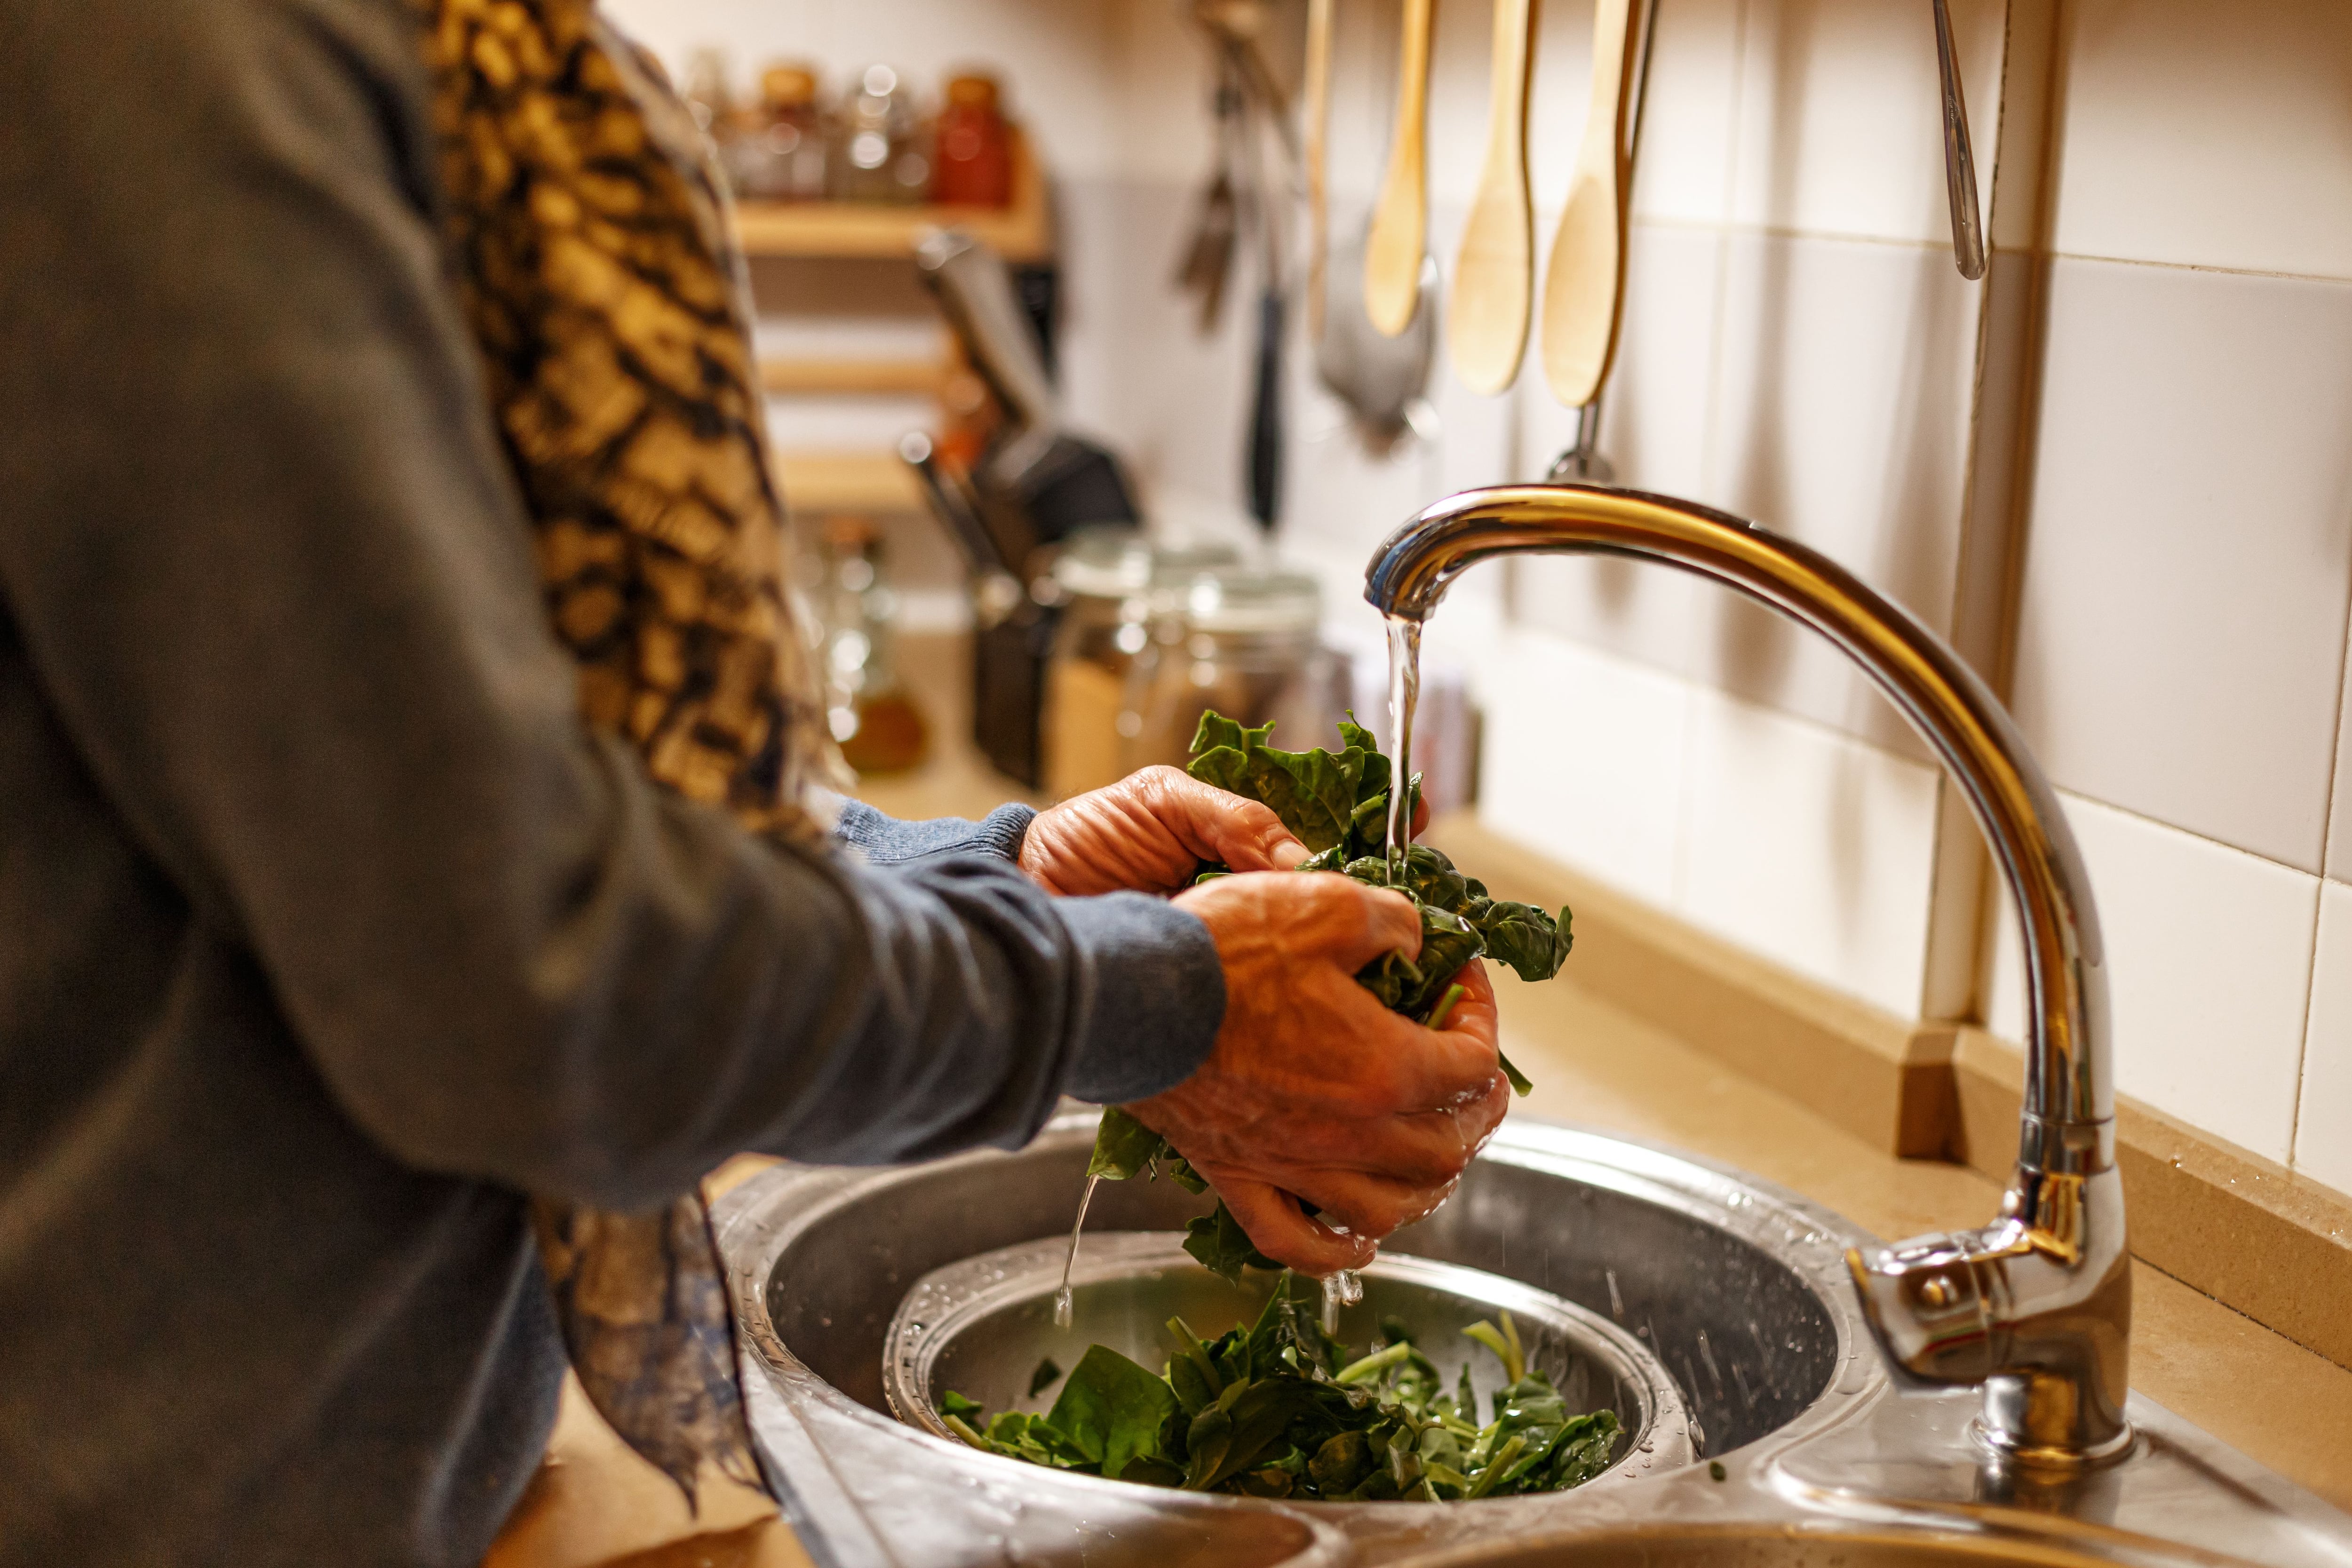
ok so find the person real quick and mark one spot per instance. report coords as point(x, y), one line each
point(353, 910)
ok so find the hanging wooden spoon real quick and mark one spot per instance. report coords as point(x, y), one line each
point(1400, 232)
point(1584, 283)
point(1318, 127)
point(1495, 275)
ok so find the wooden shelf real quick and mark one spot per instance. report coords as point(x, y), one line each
point(818, 483)
point(1023, 231)
point(807, 375)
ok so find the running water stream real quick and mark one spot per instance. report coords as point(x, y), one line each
point(1405, 695)
point(1062, 1298)
point(1344, 1289)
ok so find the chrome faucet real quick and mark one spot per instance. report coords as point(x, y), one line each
point(2034, 1308)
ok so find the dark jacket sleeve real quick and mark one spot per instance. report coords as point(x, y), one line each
point(271, 570)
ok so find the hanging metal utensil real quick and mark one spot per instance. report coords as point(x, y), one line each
point(1960, 159)
point(1208, 261)
point(1382, 381)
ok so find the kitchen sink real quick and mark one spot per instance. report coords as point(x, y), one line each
point(1791, 1546)
point(1800, 1450)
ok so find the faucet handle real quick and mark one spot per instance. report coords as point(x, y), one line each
point(1925, 1300)
point(2035, 1308)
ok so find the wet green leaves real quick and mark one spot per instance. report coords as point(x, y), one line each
point(1336, 803)
point(1279, 1410)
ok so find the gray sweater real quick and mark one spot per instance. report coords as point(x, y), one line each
point(326, 931)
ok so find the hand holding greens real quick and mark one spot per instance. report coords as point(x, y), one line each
point(1336, 803)
point(1279, 1410)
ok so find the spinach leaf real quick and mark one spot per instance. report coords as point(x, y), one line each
point(1113, 1411)
point(1261, 1412)
point(1314, 792)
point(1525, 938)
point(1221, 1245)
point(1124, 1147)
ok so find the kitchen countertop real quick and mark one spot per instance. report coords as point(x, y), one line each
point(1594, 1063)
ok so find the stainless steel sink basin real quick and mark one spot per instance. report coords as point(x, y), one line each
point(1739, 1288)
point(982, 1328)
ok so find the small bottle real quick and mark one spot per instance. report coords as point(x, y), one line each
point(880, 727)
point(973, 166)
point(878, 152)
point(783, 156)
point(710, 99)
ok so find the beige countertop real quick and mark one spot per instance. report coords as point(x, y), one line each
point(1592, 1064)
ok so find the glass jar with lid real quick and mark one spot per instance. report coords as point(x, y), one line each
point(1244, 640)
point(782, 158)
point(1106, 583)
point(878, 152)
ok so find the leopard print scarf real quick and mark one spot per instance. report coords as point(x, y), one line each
point(586, 236)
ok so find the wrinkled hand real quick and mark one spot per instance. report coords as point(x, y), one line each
point(1150, 832)
point(1315, 1090)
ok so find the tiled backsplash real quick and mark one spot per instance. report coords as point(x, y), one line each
point(1800, 349)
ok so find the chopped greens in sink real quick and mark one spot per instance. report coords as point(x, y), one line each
point(1336, 804)
point(1280, 1410)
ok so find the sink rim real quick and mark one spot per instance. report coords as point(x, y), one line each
point(757, 1222)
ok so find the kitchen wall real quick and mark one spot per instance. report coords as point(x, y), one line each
point(1800, 349)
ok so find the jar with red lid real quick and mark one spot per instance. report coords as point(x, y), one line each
point(972, 151)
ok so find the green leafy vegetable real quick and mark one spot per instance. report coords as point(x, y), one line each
point(1281, 1409)
point(1039, 1381)
point(1221, 1245)
point(1113, 1411)
point(1336, 803)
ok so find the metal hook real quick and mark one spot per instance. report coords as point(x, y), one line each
point(1960, 162)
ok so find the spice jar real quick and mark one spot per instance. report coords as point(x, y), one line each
point(782, 155)
point(878, 153)
point(972, 147)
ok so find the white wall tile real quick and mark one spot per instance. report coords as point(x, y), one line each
point(2182, 627)
point(2339, 810)
point(1653, 430)
point(2209, 953)
point(1842, 421)
point(2213, 135)
point(1809, 848)
point(2322, 1133)
point(1583, 759)
point(1683, 173)
point(1840, 119)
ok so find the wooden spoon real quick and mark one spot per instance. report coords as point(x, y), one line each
point(1584, 284)
point(1495, 275)
point(1318, 127)
point(1400, 232)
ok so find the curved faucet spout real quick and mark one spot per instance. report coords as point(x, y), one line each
point(2035, 1307)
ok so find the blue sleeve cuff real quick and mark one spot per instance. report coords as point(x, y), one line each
point(887, 841)
point(1156, 995)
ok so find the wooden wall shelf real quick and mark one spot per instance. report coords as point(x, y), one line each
point(818, 483)
point(1023, 231)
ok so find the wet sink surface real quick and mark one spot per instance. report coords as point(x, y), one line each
point(1739, 1290)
